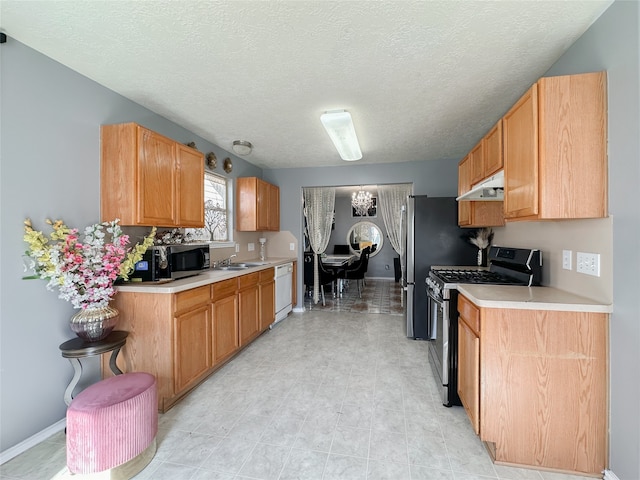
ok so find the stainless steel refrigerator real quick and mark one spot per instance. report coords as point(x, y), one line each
point(432, 237)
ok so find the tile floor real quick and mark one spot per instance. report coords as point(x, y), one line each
point(378, 296)
point(326, 394)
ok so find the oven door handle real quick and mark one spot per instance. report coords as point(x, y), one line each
point(434, 304)
point(434, 298)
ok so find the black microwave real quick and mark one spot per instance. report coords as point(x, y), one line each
point(171, 262)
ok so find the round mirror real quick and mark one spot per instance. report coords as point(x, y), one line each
point(365, 234)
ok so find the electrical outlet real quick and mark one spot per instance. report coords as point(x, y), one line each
point(292, 246)
point(566, 259)
point(588, 263)
point(237, 248)
point(251, 247)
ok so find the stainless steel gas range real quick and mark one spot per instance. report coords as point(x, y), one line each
point(507, 266)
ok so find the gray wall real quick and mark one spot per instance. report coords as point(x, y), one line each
point(613, 44)
point(50, 135)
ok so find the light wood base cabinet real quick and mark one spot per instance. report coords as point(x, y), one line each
point(182, 338)
point(249, 314)
point(192, 337)
point(224, 306)
point(469, 362)
point(543, 387)
point(267, 286)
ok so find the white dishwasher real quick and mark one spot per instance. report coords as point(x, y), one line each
point(284, 276)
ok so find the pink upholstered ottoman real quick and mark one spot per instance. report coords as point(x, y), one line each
point(112, 422)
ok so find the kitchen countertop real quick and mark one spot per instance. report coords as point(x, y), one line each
point(530, 298)
point(206, 277)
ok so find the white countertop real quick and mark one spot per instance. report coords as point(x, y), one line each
point(204, 278)
point(530, 298)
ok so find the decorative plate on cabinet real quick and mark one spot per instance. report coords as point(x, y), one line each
point(212, 161)
point(228, 165)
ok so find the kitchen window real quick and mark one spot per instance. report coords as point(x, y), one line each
point(217, 212)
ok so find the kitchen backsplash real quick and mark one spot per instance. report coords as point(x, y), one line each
point(588, 235)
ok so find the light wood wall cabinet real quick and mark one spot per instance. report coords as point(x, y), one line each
point(464, 185)
point(147, 179)
point(493, 159)
point(476, 161)
point(471, 170)
point(257, 205)
point(555, 150)
point(542, 390)
point(182, 338)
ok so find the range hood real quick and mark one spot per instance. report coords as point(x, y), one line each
point(489, 190)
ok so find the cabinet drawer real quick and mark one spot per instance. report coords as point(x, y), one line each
point(224, 289)
point(266, 275)
point(248, 280)
point(190, 298)
point(469, 313)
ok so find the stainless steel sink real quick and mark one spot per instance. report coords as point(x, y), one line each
point(232, 267)
point(255, 264)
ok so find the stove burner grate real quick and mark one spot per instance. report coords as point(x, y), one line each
point(475, 276)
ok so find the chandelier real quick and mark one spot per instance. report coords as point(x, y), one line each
point(361, 202)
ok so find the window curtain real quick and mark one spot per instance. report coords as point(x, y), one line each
point(392, 198)
point(319, 203)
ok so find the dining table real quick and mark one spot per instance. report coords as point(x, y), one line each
point(337, 262)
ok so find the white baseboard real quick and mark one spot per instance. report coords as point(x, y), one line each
point(32, 441)
point(609, 475)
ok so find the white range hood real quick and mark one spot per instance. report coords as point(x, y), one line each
point(489, 190)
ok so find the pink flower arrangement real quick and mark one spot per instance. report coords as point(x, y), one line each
point(83, 271)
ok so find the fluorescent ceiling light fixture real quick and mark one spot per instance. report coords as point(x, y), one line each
point(342, 133)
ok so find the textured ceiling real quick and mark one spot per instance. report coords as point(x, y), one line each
point(423, 80)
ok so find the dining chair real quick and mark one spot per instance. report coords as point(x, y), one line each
point(341, 250)
point(325, 276)
point(358, 270)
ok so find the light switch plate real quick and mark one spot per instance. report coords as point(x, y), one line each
point(251, 247)
point(237, 248)
point(566, 259)
point(292, 246)
point(588, 263)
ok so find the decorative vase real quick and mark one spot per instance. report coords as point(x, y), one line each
point(94, 324)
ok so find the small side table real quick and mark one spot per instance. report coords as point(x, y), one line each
point(77, 348)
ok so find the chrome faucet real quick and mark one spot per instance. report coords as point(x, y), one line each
point(227, 261)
